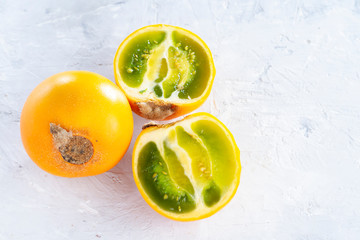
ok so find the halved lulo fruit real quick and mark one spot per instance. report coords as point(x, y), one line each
point(165, 71)
point(189, 169)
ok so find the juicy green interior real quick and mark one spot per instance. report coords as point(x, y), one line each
point(212, 161)
point(196, 84)
point(220, 151)
point(181, 68)
point(133, 62)
point(200, 164)
point(211, 193)
point(155, 178)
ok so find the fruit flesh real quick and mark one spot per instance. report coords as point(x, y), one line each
point(219, 149)
point(133, 63)
point(200, 161)
point(191, 153)
point(154, 175)
point(167, 64)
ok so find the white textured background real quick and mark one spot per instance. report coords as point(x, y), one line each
point(287, 86)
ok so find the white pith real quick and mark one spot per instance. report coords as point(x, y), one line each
point(148, 82)
point(158, 136)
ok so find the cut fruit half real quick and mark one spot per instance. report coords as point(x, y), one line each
point(189, 169)
point(164, 71)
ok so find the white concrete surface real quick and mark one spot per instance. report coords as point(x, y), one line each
point(287, 86)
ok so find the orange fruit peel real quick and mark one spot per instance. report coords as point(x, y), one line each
point(189, 169)
point(164, 71)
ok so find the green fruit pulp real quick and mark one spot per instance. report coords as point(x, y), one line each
point(212, 160)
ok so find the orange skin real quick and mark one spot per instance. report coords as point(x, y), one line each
point(88, 105)
point(179, 109)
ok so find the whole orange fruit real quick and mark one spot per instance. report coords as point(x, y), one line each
point(76, 124)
